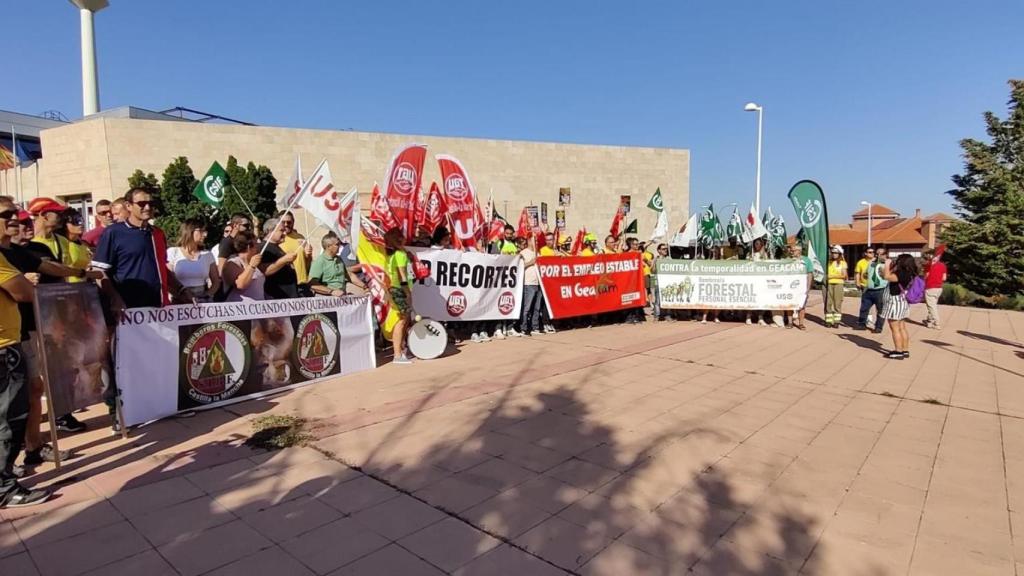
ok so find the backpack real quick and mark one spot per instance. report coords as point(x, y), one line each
point(915, 292)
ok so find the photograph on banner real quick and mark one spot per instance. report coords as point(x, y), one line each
point(468, 285)
point(223, 360)
point(564, 197)
point(731, 284)
point(581, 285)
point(544, 214)
point(560, 219)
point(75, 345)
point(202, 356)
point(624, 203)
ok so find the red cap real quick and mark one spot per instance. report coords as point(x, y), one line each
point(24, 215)
point(42, 205)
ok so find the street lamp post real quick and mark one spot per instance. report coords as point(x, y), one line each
point(90, 85)
point(868, 204)
point(752, 107)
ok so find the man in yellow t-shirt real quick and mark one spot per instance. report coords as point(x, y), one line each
point(14, 288)
point(47, 218)
point(294, 243)
point(860, 271)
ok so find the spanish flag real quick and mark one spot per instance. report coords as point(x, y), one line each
point(374, 260)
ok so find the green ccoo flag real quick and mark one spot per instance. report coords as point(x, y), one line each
point(809, 202)
point(656, 204)
point(734, 229)
point(212, 187)
point(631, 229)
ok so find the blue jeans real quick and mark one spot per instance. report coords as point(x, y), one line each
point(530, 317)
point(868, 299)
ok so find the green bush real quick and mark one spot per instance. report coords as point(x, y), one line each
point(957, 295)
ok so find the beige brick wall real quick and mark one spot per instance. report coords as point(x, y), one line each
point(98, 155)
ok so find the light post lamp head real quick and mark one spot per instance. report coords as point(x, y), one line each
point(751, 107)
point(91, 5)
point(865, 203)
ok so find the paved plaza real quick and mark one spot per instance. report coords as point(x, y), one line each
point(668, 448)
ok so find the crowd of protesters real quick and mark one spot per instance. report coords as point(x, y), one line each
point(135, 266)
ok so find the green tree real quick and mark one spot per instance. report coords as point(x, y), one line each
point(985, 250)
point(140, 179)
point(178, 203)
point(256, 184)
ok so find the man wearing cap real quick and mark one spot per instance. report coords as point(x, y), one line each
point(834, 288)
point(48, 245)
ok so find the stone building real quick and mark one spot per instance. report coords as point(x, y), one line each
point(91, 159)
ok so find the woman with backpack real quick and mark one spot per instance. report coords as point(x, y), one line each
point(902, 277)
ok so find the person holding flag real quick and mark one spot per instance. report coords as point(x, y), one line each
point(400, 289)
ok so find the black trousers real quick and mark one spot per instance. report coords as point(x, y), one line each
point(13, 412)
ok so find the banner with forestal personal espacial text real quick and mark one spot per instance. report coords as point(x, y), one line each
point(468, 286)
point(731, 284)
point(199, 356)
point(581, 285)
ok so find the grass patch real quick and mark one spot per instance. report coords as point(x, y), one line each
point(274, 432)
point(934, 401)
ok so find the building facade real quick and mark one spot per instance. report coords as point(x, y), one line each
point(91, 159)
point(899, 235)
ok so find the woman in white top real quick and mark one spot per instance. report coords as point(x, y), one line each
point(243, 280)
point(195, 268)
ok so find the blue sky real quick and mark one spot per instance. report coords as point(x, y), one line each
point(868, 98)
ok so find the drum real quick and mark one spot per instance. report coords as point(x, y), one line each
point(428, 339)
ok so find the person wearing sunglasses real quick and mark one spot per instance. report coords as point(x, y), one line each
point(132, 255)
point(226, 248)
point(292, 242)
point(72, 228)
point(15, 289)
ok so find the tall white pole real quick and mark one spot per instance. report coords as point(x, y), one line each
point(90, 87)
point(757, 182)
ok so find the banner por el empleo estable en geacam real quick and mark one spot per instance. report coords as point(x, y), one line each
point(188, 357)
point(468, 286)
point(582, 285)
point(731, 284)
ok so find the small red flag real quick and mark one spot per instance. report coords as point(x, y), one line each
point(523, 231)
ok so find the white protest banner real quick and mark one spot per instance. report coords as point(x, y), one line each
point(468, 286)
point(319, 198)
point(197, 356)
point(731, 284)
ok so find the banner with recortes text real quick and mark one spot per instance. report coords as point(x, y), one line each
point(582, 285)
point(199, 356)
point(468, 286)
point(731, 284)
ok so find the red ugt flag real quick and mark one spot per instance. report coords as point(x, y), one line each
point(465, 213)
point(402, 185)
point(380, 211)
point(433, 210)
point(523, 230)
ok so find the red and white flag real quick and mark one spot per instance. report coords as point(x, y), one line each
point(380, 212)
point(434, 211)
point(617, 221)
point(466, 216)
point(292, 187)
point(524, 228)
point(402, 186)
point(319, 198)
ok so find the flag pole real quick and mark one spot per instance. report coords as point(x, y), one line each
point(244, 203)
point(277, 226)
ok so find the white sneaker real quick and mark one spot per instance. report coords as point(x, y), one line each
point(549, 329)
point(499, 335)
point(717, 320)
point(514, 333)
point(761, 322)
point(475, 337)
point(484, 337)
point(703, 320)
point(748, 321)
